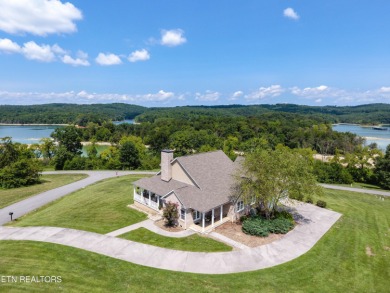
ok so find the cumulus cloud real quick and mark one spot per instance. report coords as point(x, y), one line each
point(311, 91)
point(108, 59)
point(38, 17)
point(84, 97)
point(43, 53)
point(80, 60)
point(265, 92)
point(384, 89)
point(172, 38)
point(139, 55)
point(208, 96)
point(8, 46)
point(290, 13)
point(236, 95)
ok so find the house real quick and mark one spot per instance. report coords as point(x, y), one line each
point(200, 184)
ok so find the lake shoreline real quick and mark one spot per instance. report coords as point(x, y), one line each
point(32, 124)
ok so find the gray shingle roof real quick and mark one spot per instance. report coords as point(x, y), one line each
point(212, 171)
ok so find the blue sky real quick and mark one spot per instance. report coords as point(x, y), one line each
point(178, 52)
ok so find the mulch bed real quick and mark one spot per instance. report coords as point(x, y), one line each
point(234, 232)
point(161, 224)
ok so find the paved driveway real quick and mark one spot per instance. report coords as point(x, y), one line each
point(361, 190)
point(25, 206)
point(314, 224)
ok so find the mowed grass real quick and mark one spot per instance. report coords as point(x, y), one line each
point(339, 262)
point(10, 196)
point(189, 243)
point(101, 207)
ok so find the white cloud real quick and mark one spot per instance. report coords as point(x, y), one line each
point(318, 101)
point(265, 92)
point(384, 89)
point(108, 59)
point(139, 55)
point(290, 13)
point(172, 38)
point(38, 17)
point(33, 51)
point(208, 96)
point(161, 96)
point(80, 60)
point(8, 46)
point(311, 91)
point(83, 97)
point(236, 95)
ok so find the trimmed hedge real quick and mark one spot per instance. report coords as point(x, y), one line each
point(258, 226)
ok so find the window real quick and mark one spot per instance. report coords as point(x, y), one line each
point(239, 206)
point(182, 214)
point(196, 215)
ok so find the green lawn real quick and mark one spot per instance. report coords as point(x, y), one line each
point(337, 263)
point(190, 243)
point(10, 196)
point(101, 207)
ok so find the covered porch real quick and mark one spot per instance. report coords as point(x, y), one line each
point(207, 221)
point(148, 198)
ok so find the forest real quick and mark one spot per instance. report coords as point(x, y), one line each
point(234, 129)
point(97, 113)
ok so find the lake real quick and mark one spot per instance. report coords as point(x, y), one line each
point(30, 134)
point(27, 134)
point(381, 137)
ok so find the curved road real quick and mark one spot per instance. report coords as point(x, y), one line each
point(29, 204)
point(353, 189)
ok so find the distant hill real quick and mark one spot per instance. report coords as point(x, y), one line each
point(68, 113)
point(362, 114)
point(82, 114)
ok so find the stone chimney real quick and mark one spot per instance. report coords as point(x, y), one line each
point(166, 167)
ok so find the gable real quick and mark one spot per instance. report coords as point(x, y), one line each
point(180, 175)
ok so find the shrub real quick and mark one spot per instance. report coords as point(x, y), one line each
point(171, 214)
point(243, 218)
point(262, 227)
point(309, 200)
point(321, 203)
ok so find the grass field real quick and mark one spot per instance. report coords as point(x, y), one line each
point(10, 196)
point(354, 256)
point(101, 207)
point(189, 243)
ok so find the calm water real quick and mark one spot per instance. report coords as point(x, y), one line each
point(381, 137)
point(34, 133)
point(27, 134)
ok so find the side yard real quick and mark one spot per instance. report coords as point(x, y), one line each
point(10, 196)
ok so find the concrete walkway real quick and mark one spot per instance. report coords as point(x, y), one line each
point(353, 189)
point(149, 224)
point(314, 223)
point(29, 204)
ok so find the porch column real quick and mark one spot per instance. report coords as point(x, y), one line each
point(221, 214)
point(150, 199)
point(158, 201)
point(203, 222)
point(212, 218)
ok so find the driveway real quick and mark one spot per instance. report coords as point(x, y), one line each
point(353, 189)
point(27, 205)
point(315, 222)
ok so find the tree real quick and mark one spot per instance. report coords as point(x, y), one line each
point(129, 156)
point(48, 148)
point(70, 138)
point(382, 170)
point(20, 173)
point(171, 214)
point(267, 176)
